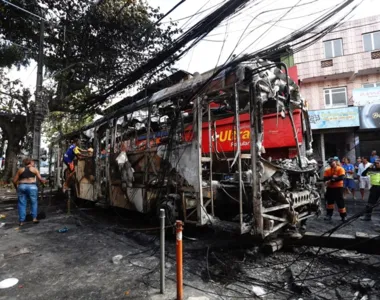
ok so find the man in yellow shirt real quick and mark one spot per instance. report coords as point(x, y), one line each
point(373, 173)
point(333, 177)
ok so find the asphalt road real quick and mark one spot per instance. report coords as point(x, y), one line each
point(78, 264)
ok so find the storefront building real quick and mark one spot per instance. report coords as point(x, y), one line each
point(340, 80)
point(334, 132)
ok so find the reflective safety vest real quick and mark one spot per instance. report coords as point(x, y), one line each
point(374, 177)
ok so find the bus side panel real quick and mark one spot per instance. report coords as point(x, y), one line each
point(85, 180)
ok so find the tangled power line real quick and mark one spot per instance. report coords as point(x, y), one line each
point(200, 30)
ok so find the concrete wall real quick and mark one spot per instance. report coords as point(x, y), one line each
point(313, 91)
point(355, 68)
point(354, 58)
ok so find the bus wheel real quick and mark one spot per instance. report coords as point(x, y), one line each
point(170, 205)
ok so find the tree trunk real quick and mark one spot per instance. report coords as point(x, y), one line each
point(14, 130)
point(11, 159)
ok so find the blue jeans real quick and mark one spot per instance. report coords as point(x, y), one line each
point(25, 192)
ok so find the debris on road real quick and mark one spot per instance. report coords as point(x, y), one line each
point(7, 283)
point(117, 258)
point(20, 252)
point(367, 283)
point(258, 291)
point(63, 230)
point(342, 294)
point(84, 256)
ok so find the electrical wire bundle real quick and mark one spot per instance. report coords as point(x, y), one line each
point(195, 34)
point(298, 40)
point(206, 25)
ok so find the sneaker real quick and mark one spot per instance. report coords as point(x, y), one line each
point(343, 219)
point(327, 218)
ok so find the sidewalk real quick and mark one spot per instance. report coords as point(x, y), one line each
point(77, 265)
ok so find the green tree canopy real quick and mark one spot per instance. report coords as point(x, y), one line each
point(88, 45)
point(61, 123)
point(16, 117)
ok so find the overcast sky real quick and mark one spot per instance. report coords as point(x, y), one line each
point(213, 50)
point(205, 55)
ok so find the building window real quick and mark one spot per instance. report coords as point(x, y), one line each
point(371, 41)
point(333, 48)
point(335, 97)
point(371, 85)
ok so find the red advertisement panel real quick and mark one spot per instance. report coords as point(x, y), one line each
point(278, 133)
point(293, 73)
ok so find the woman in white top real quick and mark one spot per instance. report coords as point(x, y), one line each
point(364, 180)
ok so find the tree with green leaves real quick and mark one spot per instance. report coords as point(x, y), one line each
point(16, 113)
point(88, 45)
point(61, 123)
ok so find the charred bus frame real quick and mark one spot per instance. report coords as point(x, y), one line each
point(177, 165)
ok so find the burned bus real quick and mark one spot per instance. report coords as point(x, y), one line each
point(231, 149)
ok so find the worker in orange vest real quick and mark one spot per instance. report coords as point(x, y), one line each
point(333, 177)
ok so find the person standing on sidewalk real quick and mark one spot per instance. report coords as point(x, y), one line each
point(25, 183)
point(373, 157)
point(349, 182)
point(374, 194)
point(364, 182)
point(333, 178)
point(356, 165)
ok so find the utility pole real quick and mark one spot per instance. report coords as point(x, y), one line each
point(39, 111)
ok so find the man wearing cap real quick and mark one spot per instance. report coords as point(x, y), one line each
point(333, 177)
point(373, 157)
point(68, 158)
point(373, 172)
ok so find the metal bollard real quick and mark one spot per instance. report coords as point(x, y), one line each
point(162, 249)
point(68, 201)
point(179, 260)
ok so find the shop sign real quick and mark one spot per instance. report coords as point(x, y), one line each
point(366, 96)
point(334, 118)
point(370, 116)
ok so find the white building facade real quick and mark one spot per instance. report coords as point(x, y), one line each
point(340, 79)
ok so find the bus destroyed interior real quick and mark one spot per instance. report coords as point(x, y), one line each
point(232, 150)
